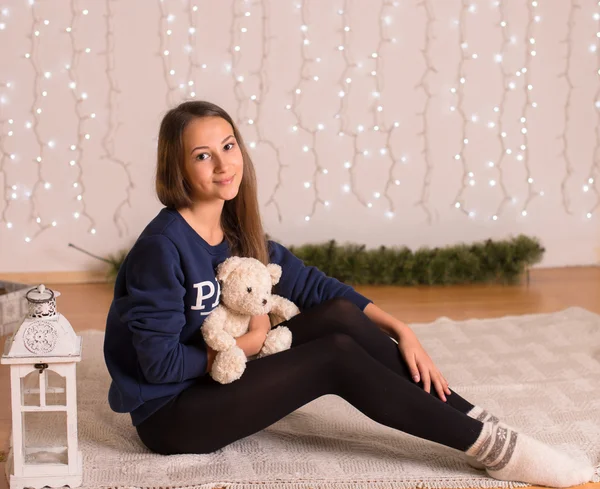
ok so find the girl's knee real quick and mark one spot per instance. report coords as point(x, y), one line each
point(341, 308)
point(341, 344)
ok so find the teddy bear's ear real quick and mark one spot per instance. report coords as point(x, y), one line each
point(228, 266)
point(275, 272)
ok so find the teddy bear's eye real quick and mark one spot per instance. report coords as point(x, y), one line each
point(249, 289)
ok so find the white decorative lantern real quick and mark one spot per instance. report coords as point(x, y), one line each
point(45, 350)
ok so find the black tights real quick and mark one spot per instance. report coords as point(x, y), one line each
point(336, 349)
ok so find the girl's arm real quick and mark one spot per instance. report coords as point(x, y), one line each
point(386, 322)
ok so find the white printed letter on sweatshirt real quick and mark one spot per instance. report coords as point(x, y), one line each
point(202, 296)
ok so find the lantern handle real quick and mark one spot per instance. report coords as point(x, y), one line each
point(40, 289)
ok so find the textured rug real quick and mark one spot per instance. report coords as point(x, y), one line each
point(539, 373)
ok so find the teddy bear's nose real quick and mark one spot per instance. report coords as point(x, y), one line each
point(264, 301)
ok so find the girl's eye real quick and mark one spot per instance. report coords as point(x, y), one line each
point(249, 289)
point(200, 154)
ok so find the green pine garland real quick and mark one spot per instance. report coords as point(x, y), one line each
point(489, 261)
point(484, 262)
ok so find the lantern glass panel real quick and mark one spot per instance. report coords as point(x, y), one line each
point(55, 389)
point(45, 437)
point(30, 389)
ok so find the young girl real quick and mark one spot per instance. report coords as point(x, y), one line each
point(342, 342)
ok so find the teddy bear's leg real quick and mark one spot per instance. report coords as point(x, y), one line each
point(278, 339)
point(229, 365)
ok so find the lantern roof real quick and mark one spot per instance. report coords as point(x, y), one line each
point(45, 335)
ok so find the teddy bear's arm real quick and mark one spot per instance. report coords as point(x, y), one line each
point(283, 308)
point(214, 334)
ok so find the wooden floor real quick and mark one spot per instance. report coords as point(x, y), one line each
point(549, 290)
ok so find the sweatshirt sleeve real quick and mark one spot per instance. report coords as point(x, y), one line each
point(307, 286)
point(153, 311)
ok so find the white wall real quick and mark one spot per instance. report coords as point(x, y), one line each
point(126, 78)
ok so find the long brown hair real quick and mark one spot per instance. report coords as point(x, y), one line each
point(240, 219)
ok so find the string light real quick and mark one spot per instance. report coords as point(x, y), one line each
point(459, 90)
point(569, 168)
point(500, 109)
point(4, 160)
point(193, 64)
point(592, 181)
point(108, 142)
point(296, 96)
point(165, 31)
point(530, 51)
point(424, 85)
point(376, 108)
point(36, 111)
point(82, 117)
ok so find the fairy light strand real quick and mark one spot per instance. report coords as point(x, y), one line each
point(459, 90)
point(299, 124)
point(109, 140)
point(164, 33)
point(36, 110)
point(4, 159)
point(500, 110)
point(193, 65)
point(79, 97)
point(569, 168)
point(530, 52)
point(257, 100)
point(377, 106)
point(423, 84)
point(593, 180)
point(345, 83)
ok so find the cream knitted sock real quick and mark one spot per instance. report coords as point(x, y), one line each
point(511, 456)
point(482, 415)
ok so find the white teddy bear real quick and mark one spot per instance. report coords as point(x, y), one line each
point(246, 285)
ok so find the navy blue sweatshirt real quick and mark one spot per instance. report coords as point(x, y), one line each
point(165, 288)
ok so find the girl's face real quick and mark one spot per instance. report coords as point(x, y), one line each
point(213, 160)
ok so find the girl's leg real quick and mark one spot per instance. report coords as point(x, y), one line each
point(208, 416)
point(339, 315)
